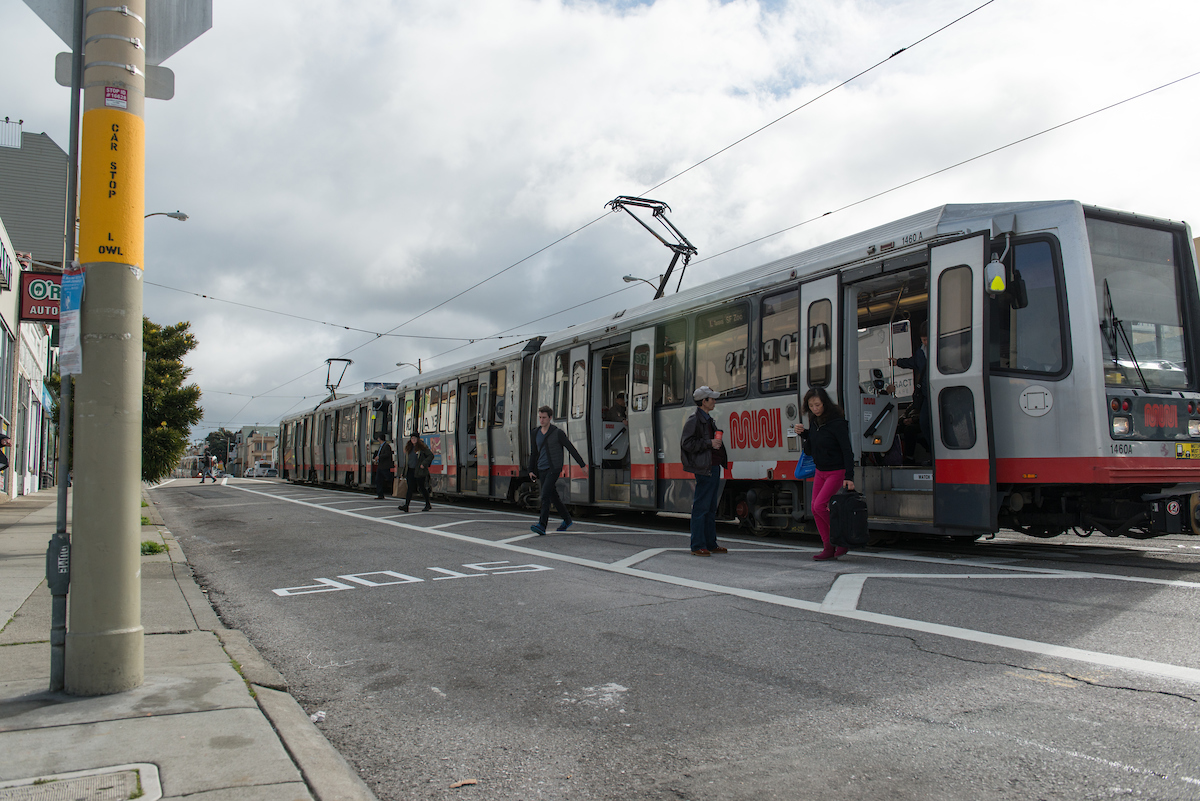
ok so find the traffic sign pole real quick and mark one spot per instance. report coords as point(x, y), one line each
point(104, 641)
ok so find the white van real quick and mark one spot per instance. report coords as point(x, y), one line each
point(261, 470)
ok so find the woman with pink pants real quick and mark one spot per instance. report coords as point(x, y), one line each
point(827, 441)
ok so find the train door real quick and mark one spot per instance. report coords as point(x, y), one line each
point(964, 468)
point(577, 428)
point(819, 358)
point(365, 445)
point(643, 465)
point(468, 465)
point(328, 449)
point(450, 450)
point(609, 415)
point(483, 420)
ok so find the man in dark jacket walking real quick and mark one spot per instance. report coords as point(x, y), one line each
point(384, 462)
point(703, 453)
point(546, 442)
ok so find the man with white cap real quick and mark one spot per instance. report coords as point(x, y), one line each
point(703, 454)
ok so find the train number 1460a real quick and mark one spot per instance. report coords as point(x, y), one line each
point(1121, 448)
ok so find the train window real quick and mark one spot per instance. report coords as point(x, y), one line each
point(641, 378)
point(409, 424)
point(482, 407)
point(451, 416)
point(820, 343)
point(954, 320)
point(670, 351)
point(347, 419)
point(433, 402)
point(1137, 283)
point(722, 338)
point(956, 406)
point(445, 400)
point(498, 383)
point(779, 356)
point(1029, 339)
point(562, 384)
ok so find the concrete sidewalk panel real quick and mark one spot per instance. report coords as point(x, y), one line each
point(31, 622)
point(32, 660)
point(325, 770)
point(26, 705)
point(25, 528)
point(293, 791)
point(218, 750)
point(202, 612)
point(164, 606)
point(254, 668)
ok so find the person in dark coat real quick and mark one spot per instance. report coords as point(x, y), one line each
point(384, 463)
point(703, 454)
point(417, 458)
point(919, 364)
point(546, 443)
point(827, 441)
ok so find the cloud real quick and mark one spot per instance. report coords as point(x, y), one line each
point(362, 167)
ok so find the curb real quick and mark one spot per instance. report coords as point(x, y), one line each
point(327, 773)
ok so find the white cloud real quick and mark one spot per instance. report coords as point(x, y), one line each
point(362, 167)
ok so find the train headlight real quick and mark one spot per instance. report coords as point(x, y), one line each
point(1120, 426)
point(1194, 428)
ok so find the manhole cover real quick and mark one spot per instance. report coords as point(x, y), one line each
point(106, 784)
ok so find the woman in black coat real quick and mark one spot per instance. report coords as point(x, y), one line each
point(827, 441)
point(417, 458)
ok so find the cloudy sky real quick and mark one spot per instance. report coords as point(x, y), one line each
point(360, 163)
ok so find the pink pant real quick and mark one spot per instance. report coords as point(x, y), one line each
point(825, 484)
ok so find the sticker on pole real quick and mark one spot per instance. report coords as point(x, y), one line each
point(116, 97)
point(70, 354)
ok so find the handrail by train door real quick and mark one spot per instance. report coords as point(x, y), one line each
point(643, 455)
point(964, 465)
point(483, 430)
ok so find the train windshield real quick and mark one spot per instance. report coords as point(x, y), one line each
point(1138, 295)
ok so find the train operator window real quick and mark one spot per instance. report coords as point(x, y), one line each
point(721, 341)
point(450, 418)
point(779, 353)
point(954, 320)
point(562, 384)
point(669, 352)
point(820, 343)
point(1137, 283)
point(433, 402)
point(578, 389)
point(1029, 339)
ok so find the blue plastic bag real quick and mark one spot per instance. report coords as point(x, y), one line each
point(806, 467)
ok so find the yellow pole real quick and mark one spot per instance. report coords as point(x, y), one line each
point(104, 640)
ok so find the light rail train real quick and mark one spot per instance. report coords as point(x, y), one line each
point(1063, 378)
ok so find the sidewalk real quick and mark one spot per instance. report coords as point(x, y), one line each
point(212, 722)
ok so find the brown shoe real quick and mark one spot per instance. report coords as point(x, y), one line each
point(719, 549)
point(701, 552)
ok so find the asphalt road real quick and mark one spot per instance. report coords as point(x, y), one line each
point(609, 663)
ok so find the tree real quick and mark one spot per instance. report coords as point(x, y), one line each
point(169, 409)
point(219, 443)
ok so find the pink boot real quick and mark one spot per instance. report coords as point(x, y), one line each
point(828, 553)
point(840, 552)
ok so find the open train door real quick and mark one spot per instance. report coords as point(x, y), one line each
point(643, 450)
point(577, 429)
point(964, 465)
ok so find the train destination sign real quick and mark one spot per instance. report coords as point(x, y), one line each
point(40, 294)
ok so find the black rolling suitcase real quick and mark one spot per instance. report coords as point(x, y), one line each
point(848, 519)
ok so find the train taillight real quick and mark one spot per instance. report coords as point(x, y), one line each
point(1125, 405)
point(1116, 405)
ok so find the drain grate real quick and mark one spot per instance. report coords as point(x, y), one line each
point(106, 784)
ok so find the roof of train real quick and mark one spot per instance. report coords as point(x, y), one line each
point(345, 400)
point(866, 246)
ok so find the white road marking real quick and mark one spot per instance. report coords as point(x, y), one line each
point(364, 508)
point(1163, 669)
point(461, 522)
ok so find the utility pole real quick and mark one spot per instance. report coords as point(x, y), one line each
point(104, 647)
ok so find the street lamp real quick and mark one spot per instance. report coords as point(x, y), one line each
point(410, 364)
point(175, 215)
point(629, 279)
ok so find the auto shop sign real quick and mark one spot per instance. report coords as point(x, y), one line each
point(39, 297)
